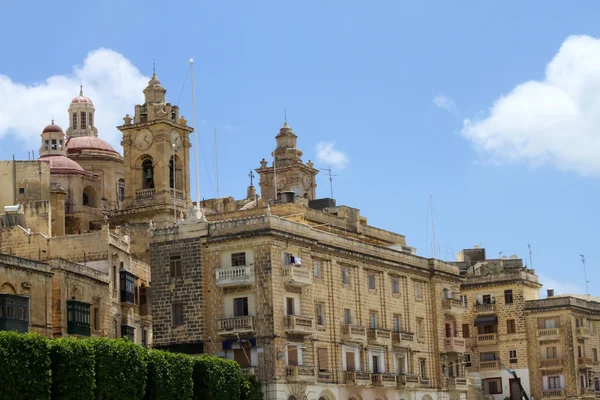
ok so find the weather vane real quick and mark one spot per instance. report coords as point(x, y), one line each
point(251, 175)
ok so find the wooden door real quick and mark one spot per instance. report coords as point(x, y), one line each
point(515, 390)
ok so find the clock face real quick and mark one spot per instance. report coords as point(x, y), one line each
point(175, 139)
point(143, 140)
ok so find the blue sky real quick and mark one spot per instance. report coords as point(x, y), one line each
point(390, 84)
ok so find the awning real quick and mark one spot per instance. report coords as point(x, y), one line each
point(234, 343)
point(486, 320)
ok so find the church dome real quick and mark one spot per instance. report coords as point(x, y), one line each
point(81, 143)
point(52, 128)
point(81, 99)
point(60, 164)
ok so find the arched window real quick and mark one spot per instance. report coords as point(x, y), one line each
point(121, 190)
point(147, 174)
point(172, 174)
point(89, 197)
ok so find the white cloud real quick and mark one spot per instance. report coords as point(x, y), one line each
point(109, 79)
point(560, 287)
point(555, 121)
point(445, 103)
point(328, 155)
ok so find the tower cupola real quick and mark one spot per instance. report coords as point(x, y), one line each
point(81, 117)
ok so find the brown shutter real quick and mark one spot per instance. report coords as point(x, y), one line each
point(240, 357)
point(292, 355)
point(350, 366)
point(323, 362)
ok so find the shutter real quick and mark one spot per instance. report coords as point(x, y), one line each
point(350, 365)
point(290, 305)
point(323, 364)
point(292, 355)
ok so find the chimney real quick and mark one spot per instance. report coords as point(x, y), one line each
point(550, 292)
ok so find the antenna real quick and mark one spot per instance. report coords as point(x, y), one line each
point(432, 223)
point(330, 179)
point(275, 175)
point(199, 207)
point(587, 289)
point(285, 114)
point(530, 261)
point(217, 170)
point(154, 66)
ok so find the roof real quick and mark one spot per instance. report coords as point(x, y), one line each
point(52, 128)
point(78, 144)
point(60, 164)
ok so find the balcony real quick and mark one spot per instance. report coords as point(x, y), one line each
point(177, 194)
point(548, 334)
point(358, 378)
point(485, 308)
point(249, 371)
point(425, 382)
point(487, 339)
point(235, 325)
point(145, 310)
point(324, 377)
point(235, 276)
point(300, 373)
point(459, 383)
point(489, 365)
point(297, 276)
point(389, 380)
point(453, 306)
point(399, 339)
point(551, 363)
point(78, 318)
point(408, 381)
point(586, 363)
point(583, 332)
point(455, 345)
point(145, 193)
point(379, 336)
point(553, 394)
point(354, 333)
point(298, 325)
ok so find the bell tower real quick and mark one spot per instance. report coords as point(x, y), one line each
point(156, 149)
point(291, 173)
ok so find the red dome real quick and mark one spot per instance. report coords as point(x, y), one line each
point(52, 128)
point(77, 144)
point(62, 165)
point(81, 99)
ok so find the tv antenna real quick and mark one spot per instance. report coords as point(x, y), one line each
point(587, 288)
point(530, 260)
point(330, 179)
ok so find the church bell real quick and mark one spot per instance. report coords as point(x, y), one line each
point(149, 174)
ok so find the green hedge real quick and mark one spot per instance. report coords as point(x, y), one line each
point(121, 368)
point(216, 378)
point(73, 373)
point(169, 376)
point(250, 388)
point(24, 366)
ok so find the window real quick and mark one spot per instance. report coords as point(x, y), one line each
point(551, 352)
point(78, 318)
point(548, 323)
point(448, 330)
point(594, 355)
point(464, 301)
point(508, 297)
point(346, 276)
point(74, 123)
point(493, 386)
point(488, 356)
point(397, 323)
point(240, 307)
point(422, 368)
point(467, 360)
point(554, 383)
point(350, 364)
point(53, 144)
point(121, 190)
point(144, 338)
point(60, 144)
point(510, 326)
point(372, 320)
point(128, 332)
point(289, 302)
point(347, 316)
point(375, 361)
point(320, 317)
point(317, 269)
point(420, 332)
point(512, 356)
point(127, 287)
point(372, 281)
point(96, 318)
point(395, 286)
point(294, 355)
point(115, 283)
point(486, 299)
point(465, 330)
point(175, 266)
point(91, 119)
point(177, 314)
point(579, 352)
point(290, 259)
point(83, 121)
point(322, 359)
point(21, 190)
point(418, 291)
point(242, 355)
point(46, 144)
point(238, 259)
point(14, 313)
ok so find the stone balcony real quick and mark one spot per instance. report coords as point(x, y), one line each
point(583, 332)
point(299, 325)
point(324, 377)
point(236, 325)
point(424, 382)
point(358, 378)
point(455, 345)
point(177, 194)
point(586, 363)
point(380, 337)
point(145, 193)
point(553, 394)
point(453, 306)
point(297, 276)
point(485, 308)
point(384, 379)
point(548, 334)
point(408, 381)
point(551, 363)
point(489, 365)
point(400, 339)
point(354, 333)
point(235, 276)
point(487, 339)
point(458, 383)
point(300, 373)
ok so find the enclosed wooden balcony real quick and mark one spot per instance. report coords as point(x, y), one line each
point(235, 276)
point(455, 345)
point(299, 325)
point(297, 276)
point(300, 373)
point(354, 333)
point(378, 336)
point(236, 325)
